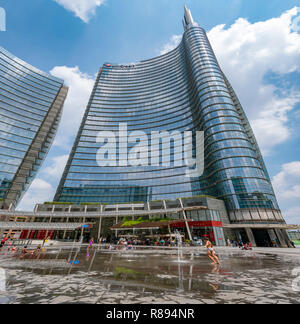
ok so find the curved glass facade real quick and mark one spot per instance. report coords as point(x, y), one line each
point(30, 108)
point(184, 90)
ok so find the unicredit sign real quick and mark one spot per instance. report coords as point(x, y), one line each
point(126, 67)
point(123, 66)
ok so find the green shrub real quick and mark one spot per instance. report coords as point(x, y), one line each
point(130, 223)
point(90, 203)
point(58, 203)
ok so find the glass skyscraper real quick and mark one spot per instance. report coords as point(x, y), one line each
point(31, 104)
point(184, 90)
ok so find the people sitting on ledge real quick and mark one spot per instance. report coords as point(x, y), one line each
point(247, 247)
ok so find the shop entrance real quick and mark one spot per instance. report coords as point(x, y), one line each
point(205, 232)
point(262, 238)
point(242, 236)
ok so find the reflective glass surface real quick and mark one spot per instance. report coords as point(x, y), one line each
point(184, 90)
point(26, 95)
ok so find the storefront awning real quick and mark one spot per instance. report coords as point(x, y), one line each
point(197, 224)
point(41, 226)
point(172, 224)
point(262, 226)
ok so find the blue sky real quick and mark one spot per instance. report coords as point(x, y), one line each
point(43, 32)
point(257, 43)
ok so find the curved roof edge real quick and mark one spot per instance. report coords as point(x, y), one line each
point(29, 66)
point(156, 57)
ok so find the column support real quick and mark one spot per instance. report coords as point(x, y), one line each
point(186, 221)
point(281, 238)
point(99, 229)
point(251, 237)
point(286, 237)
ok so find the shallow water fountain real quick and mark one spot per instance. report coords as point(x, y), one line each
point(179, 247)
point(104, 277)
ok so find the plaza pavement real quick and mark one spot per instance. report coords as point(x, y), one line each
point(174, 250)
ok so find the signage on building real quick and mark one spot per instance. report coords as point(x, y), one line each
point(127, 67)
point(122, 67)
point(197, 224)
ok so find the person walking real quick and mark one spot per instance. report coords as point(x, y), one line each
point(90, 246)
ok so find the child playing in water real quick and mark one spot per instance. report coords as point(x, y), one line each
point(211, 253)
point(24, 252)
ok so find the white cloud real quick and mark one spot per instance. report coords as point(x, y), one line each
point(83, 9)
point(287, 181)
point(287, 187)
point(80, 88)
point(43, 188)
point(292, 215)
point(57, 167)
point(246, 52)
point(39, 192)
point(172, 44)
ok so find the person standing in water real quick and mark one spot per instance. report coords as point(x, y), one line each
point(4, 241)
point(211, 252)
point(91, 242)
point(90, 246)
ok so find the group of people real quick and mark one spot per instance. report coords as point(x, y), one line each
point(162, 241)
point(124, 244)
point(22, 252)
point(248, 246)
point(240, 244)
point(7, 241)
point(12, 248)
point(25, 252)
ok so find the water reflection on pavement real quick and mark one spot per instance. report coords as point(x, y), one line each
point(96, 276)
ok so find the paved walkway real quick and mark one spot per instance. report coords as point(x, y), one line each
point(273, 251)
point(174, 250)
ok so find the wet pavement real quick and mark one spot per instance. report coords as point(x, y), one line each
point(142, 277)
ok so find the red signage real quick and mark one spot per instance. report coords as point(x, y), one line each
point(198, 224)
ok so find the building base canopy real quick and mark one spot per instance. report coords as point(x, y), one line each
point(42, 226)
point(262, 226)
point(262, 235)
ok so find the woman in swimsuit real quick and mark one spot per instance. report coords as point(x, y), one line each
point(211, 253)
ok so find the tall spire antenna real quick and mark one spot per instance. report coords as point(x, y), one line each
point(188, 16)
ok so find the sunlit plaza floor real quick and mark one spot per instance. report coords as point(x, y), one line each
point(155, 276)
